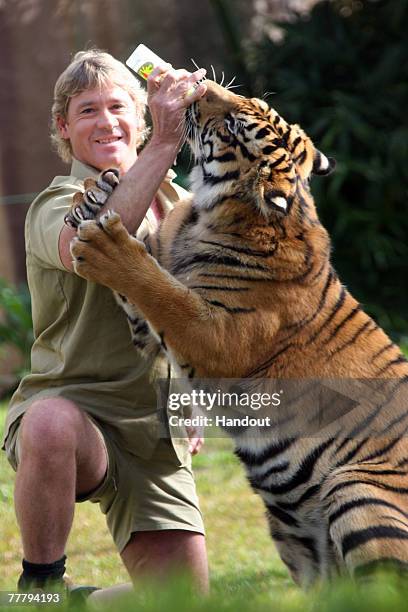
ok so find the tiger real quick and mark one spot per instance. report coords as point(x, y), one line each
point(237, 283)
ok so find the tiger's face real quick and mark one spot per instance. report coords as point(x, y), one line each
point(245, 148)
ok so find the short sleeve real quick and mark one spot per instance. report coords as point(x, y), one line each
point(45, 221)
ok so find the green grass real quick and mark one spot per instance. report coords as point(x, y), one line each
point(234, 517)
point(246, 573)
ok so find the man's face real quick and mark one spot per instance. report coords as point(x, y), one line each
point(103, 128)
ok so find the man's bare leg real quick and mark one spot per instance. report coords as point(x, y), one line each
point(161, 555)
point(154, 558)
point(61, 456)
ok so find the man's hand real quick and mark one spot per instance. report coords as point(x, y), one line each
point(195, 440)
point(170, 92)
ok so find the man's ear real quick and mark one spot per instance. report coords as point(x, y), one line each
point(62, 127)
point(321, 164)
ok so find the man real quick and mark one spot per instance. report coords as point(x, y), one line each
point(82, 424)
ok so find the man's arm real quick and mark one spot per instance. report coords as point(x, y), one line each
point(134, 194)
point(137, 188)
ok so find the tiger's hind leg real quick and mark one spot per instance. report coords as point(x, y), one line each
point(367, 515)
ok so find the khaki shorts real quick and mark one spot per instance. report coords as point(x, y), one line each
point(138, 494)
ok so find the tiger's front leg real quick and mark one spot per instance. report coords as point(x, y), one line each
point(88, 204)
point(142, 338)
point(104, 252)
point(194, 330)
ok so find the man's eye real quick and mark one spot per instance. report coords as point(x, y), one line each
point(86, 111)
point(119, 107)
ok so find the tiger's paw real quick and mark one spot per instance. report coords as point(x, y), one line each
point(86, 205)
point(104, 252)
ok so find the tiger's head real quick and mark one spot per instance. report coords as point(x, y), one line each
point(244, 148)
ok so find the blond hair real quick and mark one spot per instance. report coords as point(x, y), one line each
point(88, 70)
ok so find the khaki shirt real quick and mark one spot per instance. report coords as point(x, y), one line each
point(82, 348)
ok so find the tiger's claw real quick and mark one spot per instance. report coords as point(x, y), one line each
point(87, 205)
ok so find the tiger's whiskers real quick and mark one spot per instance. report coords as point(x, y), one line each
point(268, 93)
point(195, 63)
point(228, 85)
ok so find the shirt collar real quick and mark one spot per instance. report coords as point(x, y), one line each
point(82, 171)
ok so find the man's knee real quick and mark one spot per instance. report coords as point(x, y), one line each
point(50, 425)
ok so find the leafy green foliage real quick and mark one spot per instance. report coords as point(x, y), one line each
point(16, 327)
point(342, 73)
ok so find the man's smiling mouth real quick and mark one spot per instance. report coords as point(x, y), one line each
point(108, 140)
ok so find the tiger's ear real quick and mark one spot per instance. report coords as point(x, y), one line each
point(275, 190)
point(276, 201)
point(322, 165)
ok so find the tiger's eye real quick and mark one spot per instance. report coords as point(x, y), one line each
point(230, 122)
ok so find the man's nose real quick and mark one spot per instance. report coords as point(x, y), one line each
point(106, 119)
